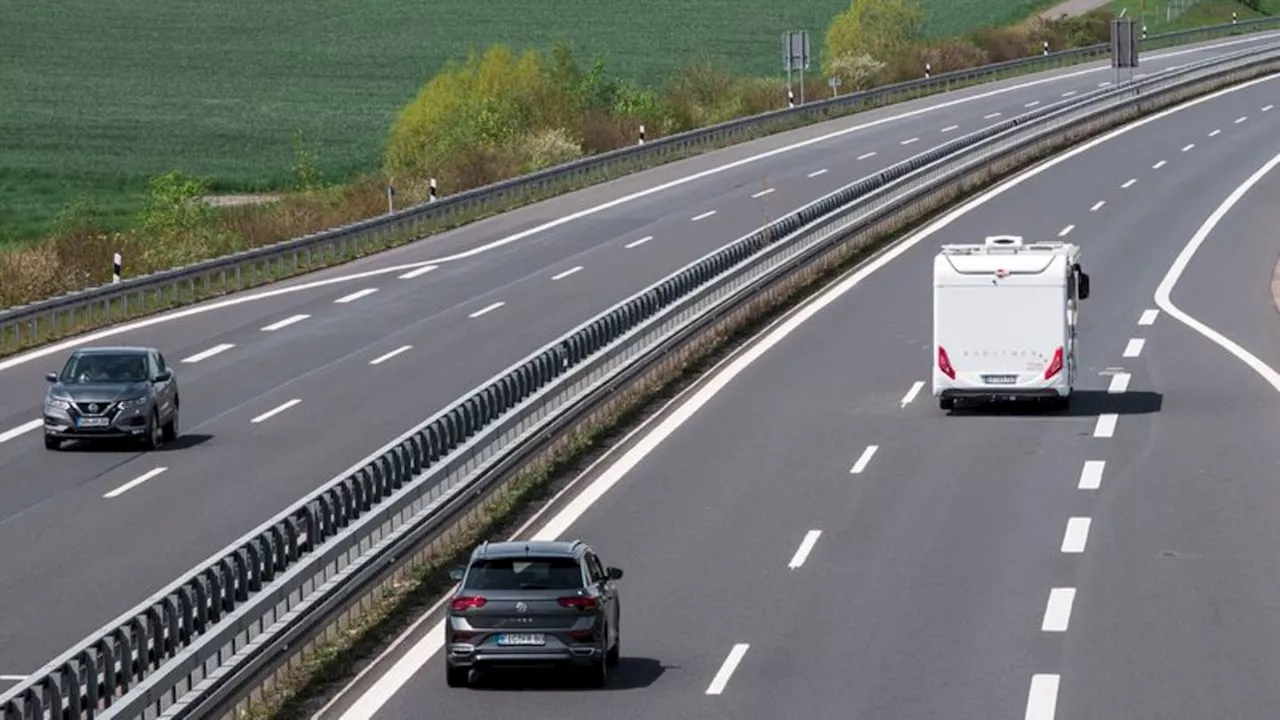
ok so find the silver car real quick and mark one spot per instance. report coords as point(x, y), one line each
point(531, 604)
point(112, 393)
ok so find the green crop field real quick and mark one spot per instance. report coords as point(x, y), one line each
point(95, 96)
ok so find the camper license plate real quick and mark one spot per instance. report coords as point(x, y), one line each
point(999, 379)
point(522, 639)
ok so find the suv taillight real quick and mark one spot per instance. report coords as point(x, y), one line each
point(578, 601)
point(462, 603)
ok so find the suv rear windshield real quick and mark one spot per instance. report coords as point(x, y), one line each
point(525, 573)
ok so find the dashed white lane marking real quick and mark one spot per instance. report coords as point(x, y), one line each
point(1091, 474)
point(816, 173)
point(25, 427)
point(284, 323)
point(864, 460)
point(383, 358)
point(1097, 205)
point(1215, 132)
point(418, 272)
point(1130, 182)
point(486, 310)
point(948, 128)
point(1066, 230)
point(726, 670)
point(864, 156)
point(1076, 535)
point(13, 678)
point(1119, 384)
point(134, 483)
point(566, 273)
point(703, 216)
point(911, 394)
point(1106, 426)
point(908, 142)
point(275, 411)
point(1188, 146)
point(1033, 103)
point(356, 295)
point(1134, 348)
point(1267, 107)
point(1241, 119)
point(1069, 93)
point(1148, 317)
point(1159, 165)
point(1104, 83)
point(647, 238)
point(760, 194)
point(806, 546)
point(1042, 698)
point(991, 115)
point(1057, 612)
point(206, 354)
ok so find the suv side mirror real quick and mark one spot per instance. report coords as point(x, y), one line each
point(614, 573)
point(51, 377)
point(456, 573)
point(1083, 286)
point(164, 376)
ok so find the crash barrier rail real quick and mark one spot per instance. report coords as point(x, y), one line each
point(191, 648)
point(46, 320)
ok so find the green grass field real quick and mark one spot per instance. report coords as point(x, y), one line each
point(1162, 16)
point(98, 96)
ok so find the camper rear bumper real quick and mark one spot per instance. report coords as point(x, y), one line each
point(1003, 393)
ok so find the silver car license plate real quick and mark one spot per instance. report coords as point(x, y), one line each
point(522, 639)
point(93, 422)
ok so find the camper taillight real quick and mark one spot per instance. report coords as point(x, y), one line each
point(1055, 365)
point(944, 363)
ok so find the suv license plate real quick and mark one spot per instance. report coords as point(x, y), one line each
point(999, 379)
point(522, 639)
point(93, 422)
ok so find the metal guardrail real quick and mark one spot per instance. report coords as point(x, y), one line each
point(189, 647)
point(38, 322)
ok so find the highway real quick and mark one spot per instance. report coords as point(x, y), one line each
point(285, 387)
point(806, 534)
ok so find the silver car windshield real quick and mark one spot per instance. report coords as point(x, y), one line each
point(104, 368)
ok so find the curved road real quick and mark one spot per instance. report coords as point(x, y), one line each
point(1117, 560)
point(353, 356)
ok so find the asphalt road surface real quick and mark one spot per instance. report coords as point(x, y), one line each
point(284, 388)
point(806, 534)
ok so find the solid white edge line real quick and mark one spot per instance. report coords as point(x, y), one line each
point(726, 670)
point(1134, 348)
point(420, 271)
point(911, 394)
point(1076, 536)
point(275, 292)
point(1042, 697)
point(400, 673)
point(206, 354)
point(806, 546)
point(387, 356)
point(22, 429)
point(1057, 612)
point(643, 240)
point(486, 310)
point(284, 323)
point(566, 273)
point(1091, 474)
point(1106, 426)
point(1184, 258)
point(356, 295)
point(1148, 317)
point(134, 482)
point(275, 411)
point(864, 460)
point(1119, 384)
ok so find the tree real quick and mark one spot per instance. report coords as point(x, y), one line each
point(879, 29)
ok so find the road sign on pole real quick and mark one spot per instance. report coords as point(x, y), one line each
point(795, 56)
point(1124, 45)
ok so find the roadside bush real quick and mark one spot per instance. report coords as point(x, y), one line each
point(940, 56)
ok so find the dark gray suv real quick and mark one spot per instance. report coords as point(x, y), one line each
point(112, 392)
point(531, 604)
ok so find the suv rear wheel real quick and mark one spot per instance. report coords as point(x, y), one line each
point(456, 676)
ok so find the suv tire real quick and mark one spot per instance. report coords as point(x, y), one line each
point(155, 433)
point(456, 676)
point(52, 443)
point(171, 427)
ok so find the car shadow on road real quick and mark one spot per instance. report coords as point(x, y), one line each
point(632, 673)
point(183, 442)
point(1084, 403)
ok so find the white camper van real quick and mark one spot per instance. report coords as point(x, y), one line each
point(1004, 320)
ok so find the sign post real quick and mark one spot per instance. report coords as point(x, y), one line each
point(795, 56)
point(1124, 46)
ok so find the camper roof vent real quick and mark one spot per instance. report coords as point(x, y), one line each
point(1004, 241)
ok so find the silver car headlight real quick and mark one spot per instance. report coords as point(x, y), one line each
point(57, 403)
point(134, 402)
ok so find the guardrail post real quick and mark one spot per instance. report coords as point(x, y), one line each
point(431, 193)
point(116, 267)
